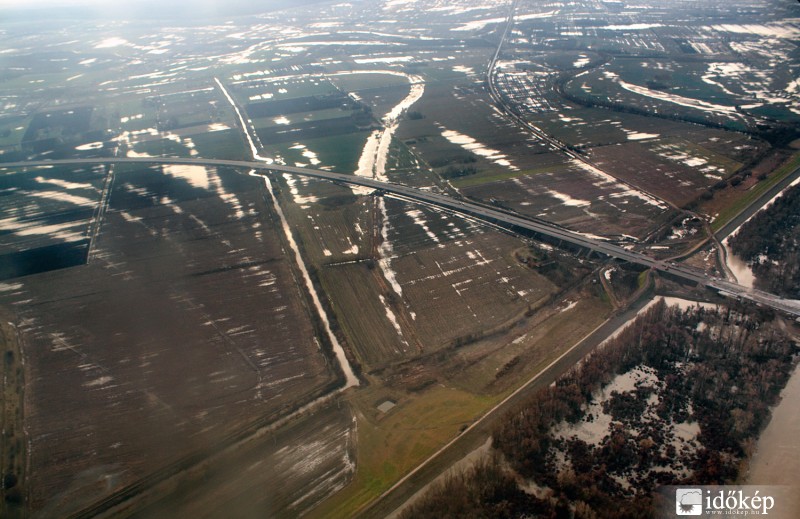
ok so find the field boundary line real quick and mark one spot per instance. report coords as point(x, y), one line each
point(488, 414)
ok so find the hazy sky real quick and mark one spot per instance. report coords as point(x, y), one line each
point(186, 7)
point(43, 3)
point(110, 3)
point(144, 9)
point(53, 3)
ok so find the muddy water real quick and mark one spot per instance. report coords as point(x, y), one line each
point(740, 269)
point(777, 458)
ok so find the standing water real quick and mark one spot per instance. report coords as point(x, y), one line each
point(741, 270)
point(777, 457)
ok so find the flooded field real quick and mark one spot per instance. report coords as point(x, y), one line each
point(284, 473)
point(47, 218)
point(188, 271)
point(456, 278)
point(167, 310)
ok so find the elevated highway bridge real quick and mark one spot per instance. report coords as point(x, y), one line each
point(479, 211)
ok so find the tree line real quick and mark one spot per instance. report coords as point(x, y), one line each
point(770, 243)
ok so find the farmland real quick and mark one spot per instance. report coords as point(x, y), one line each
point(314, 451)
point(170, 241)
point(181, 337)
point(422, 299)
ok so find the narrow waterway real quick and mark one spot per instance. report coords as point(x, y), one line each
point(777, 457)
point(741, 270)
point(373, 164)
point(350, 377)
point(245, 126)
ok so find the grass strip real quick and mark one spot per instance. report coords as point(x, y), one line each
point(733, 210)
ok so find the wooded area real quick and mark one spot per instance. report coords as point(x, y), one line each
point(770, 243)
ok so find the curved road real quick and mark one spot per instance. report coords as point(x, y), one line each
point(554, 143)
point(464, 207)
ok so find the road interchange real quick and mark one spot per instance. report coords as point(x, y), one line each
point(488, 214)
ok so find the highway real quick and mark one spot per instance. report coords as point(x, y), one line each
point(555, 144)
point(455, 205)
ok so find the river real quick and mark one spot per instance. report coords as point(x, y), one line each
point(777, 457)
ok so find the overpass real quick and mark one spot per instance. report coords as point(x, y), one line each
point(455, 205)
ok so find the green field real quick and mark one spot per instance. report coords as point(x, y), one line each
point(12, 129)
point(355, 82)
point(340, 152)
point(487, 176)
point(730, 212)
point(300, 117)
point(390, 445)
point(224, 144)
point(161, 147)
point(282, 89)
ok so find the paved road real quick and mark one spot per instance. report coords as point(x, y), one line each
point(554, 143)
point(757, 204)
point(392, 501)
point(482, 212)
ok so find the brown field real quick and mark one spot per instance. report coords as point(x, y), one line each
point(462, 286)
point(355, 291)
point(465, 109)
point(186, 325)
point(458, 278)
point(577, 199)
point(468, 323)
point(497, 365)
point(636, 164)
point(674, 169)
point(281, 474)
point(12, 442)
point(538, 182)
point(333, 225)
point(405, 167)
point(592, 127)
point(185, 355)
